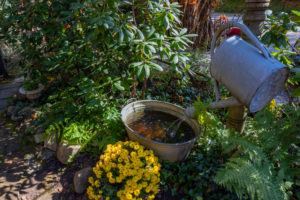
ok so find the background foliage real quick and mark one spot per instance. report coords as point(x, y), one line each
point(90, 53)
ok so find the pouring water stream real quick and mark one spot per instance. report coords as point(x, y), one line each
point(176, 124)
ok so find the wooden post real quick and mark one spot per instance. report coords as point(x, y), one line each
point(236, 118)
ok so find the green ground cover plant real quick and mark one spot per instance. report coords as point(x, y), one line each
point(194, 176)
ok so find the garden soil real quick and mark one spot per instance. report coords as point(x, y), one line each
point(29, 171)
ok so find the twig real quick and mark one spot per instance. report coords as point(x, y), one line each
point(162, 61)
point(296, 50)
point(133, 13)
point(144, 88)
point(198, 73)
point(201, 74)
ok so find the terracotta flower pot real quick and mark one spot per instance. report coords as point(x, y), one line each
point(32, 94)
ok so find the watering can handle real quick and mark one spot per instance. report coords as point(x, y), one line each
point(248, 33)
point(245, 30)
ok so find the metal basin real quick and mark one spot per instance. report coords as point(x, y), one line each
point(172, 152)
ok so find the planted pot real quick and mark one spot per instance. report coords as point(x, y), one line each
point(32, 94)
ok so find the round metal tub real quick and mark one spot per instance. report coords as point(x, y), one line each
point(172, 152)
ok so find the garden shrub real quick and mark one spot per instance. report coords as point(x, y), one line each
point(125, 171)
point(276, 35)
point(90, 53)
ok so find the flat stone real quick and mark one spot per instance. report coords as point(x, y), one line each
point(28, 156)
point(16, 118)
point(47, 154)
point(3, 104)
point(81, 178)
point(7, 93)
point(38, 138)
point(65, 152)
point(11, 110)
point(27, 111)
point(14, 84)
point(40, 130)
point(50, 142)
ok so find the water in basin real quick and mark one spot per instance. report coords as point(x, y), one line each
point(162, 127)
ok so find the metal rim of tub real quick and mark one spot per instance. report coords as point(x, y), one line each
point(198, 135)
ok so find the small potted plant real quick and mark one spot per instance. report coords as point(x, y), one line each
point(32, 88)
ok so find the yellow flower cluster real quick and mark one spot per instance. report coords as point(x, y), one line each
point(127, 171)
point(273, 104)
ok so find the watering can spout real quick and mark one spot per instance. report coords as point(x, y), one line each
point(190, 112)
point(226, 103)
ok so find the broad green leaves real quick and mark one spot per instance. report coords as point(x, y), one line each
point(276, 36)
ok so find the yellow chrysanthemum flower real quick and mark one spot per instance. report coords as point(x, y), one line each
point(273, 104)
point(125, 161)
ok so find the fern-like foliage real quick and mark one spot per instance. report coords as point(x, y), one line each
point(264, 163)
point(268, 162)
point(240, 175)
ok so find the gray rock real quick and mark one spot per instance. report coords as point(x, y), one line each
point(65, 152)
point(47, 154)
point(28, 127)
point(81, 179)
point(38, 138)
point(40, 130)
point(16, 118)
point(27, 111)
point(11, 110)
point(28, 156)
point(50, 142)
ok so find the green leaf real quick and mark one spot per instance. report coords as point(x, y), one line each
point(296, 70)
point(191, 35)
point(140, 71)
point(296, 12)
point(75, 6)
point(119, 86)
point(136, 64)
point(296, 77)
point(147, 71)
point(141, 35)
point(156, 66)
point(175, 59)
point(129, 34)
point(177, 19)
point(121, 36)
point(183, 31)
point(296, 92)
point(152, 30)
point(151, 48)
point(166, 22)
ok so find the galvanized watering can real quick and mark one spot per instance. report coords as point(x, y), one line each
point(249, 72)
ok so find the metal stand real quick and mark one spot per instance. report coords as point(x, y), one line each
point(236, 118)
point(254, 19)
